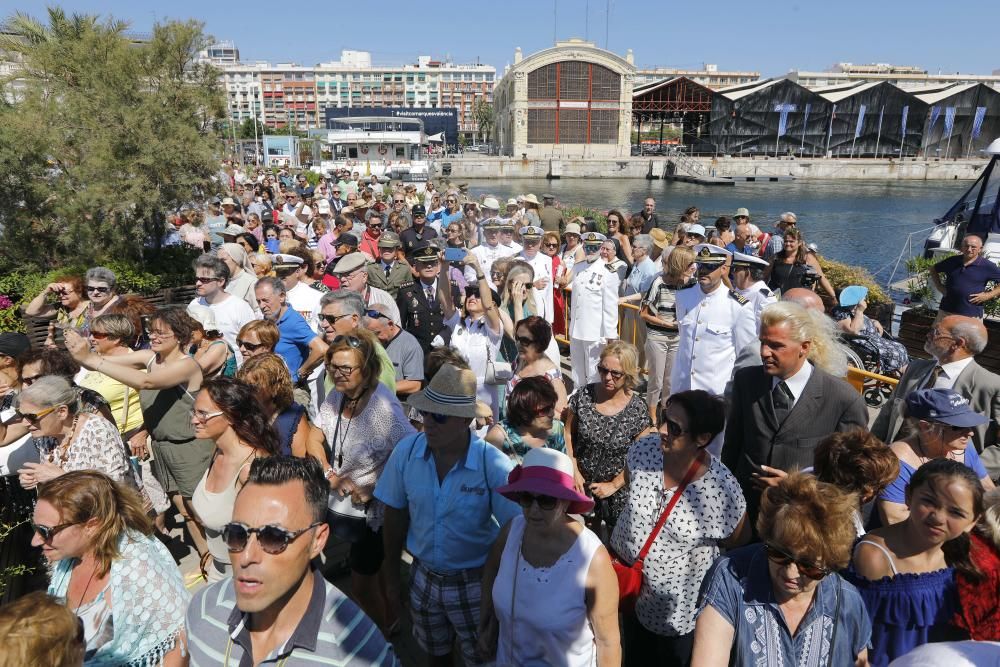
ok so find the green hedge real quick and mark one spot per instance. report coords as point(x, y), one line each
point(170, 267)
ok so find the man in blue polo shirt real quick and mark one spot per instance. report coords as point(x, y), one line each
point(298, 345)
point(439, 489)
point(967, 281)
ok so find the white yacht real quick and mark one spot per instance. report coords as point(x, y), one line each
point(387, 147)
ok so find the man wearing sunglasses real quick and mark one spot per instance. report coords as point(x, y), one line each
point(230, 312)
point(419, 232)
point(402, 347)
point(276, 608)
point(352, 272)
point(440, 493)
point(714, 324)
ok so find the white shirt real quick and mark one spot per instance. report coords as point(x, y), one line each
point(486, 254)
point(950, 372)
point(305, 300)
point(230, 315)
point(594, 304)
point(760, 295)
point(796, 383)
point(542, 266)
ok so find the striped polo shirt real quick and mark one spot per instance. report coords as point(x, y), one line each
point(333, 631)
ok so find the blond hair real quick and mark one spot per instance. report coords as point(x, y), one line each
point(809, 325)
point(37, 629)
point(989, 522)
point(628, 356)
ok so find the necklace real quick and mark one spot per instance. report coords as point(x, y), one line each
point(340, 441)
point(79, 603)
point(63, 448)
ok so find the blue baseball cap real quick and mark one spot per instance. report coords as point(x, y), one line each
point(853, 295)
point(945, 406)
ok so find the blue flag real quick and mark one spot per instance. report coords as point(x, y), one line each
point(977, 123)
point(949, 121)
point(906, 112)
point(861, 121)
point(935, 112)
point(783, 109)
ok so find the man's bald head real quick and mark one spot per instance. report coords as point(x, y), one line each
point(805, 298)
point(970, 331)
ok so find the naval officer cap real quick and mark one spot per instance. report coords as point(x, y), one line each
point(281, 261)
point(492, 224)
point(424, 252)
point(706, 253)
point(593, 238)
point(748, 261)
point(531, 232)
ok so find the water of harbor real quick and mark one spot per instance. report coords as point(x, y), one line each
point(865, 223)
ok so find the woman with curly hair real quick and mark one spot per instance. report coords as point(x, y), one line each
point(782, 600)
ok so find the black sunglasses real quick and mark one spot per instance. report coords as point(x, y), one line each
point(544, 502)
point(47, 532)
point(273, 539)
point(673, 428)
point(523, 341)
point(253, 347)
point(436, 416)
point(97, 289)
point(604, 370)
point(349, 340)
point(374, 314)
point(332, 319)
point(779, 557)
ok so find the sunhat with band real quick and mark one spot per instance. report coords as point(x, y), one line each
point(452, 392)
point(546, 472)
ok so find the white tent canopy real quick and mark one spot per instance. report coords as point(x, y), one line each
point(436, 138)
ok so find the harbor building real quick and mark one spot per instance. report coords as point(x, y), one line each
point(907, 77)
point(287, 93)
point(710, 76)
point(573, 100)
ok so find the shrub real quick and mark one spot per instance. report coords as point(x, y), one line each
point(841, 275)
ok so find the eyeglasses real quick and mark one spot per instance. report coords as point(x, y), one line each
point(344, 371)
point(352, 341)
point(604, 370)
point(546, 410)
point(332, 319)
point(96, 289)
point(547, 503)
point(48, 532)
point(34, 418)
point(28, 380)
point(374, 314)
point(374, 225)
point(398, 201)
point(201, 279)
point(524, 341)
point(451, 201)
point(203, 416)
point(98, 335)
point(436, 416)
point(272, 539)
point(551, 245)
point(252, 347)
point(673, 428)
point(779, 557)
point(159, 334)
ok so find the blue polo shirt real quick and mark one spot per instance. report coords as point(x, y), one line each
point(960, 281)
point(293, 345)
point(453, 523)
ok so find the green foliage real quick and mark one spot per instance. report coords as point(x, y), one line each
point(918, 285)
point(462, 141)
point(841, 275)
point(570, 212)
point(100, 137)
point(485, 117)
point(246, 131)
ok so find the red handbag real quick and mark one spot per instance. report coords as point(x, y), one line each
point(630, 576)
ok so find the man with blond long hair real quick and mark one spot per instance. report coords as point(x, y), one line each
point(781, 410)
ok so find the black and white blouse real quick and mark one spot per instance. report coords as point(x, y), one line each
point(688, 544)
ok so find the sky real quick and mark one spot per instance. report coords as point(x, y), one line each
point(769, 36)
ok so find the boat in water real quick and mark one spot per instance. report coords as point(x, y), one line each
point(387, 147)
point(976, 212)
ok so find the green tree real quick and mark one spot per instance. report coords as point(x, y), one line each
point(101, 136)
point(246, 130)
point(485, 117)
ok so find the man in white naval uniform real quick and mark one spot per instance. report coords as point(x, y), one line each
point(531, 236)
point(488, 252)
point(714, 322)
point(594, 309)
point(747, 278)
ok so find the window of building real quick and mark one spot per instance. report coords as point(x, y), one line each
point(574, 85)
point(541, 126)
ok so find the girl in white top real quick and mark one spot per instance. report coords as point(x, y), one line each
point(226, 411)
point(549, 596)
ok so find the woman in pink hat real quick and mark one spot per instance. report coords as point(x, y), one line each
point(550, 595)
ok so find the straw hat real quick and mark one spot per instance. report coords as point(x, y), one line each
point(530, 199)
point(452, 391)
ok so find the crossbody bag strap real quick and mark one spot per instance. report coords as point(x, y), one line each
point(688, 476)
point(836, 623)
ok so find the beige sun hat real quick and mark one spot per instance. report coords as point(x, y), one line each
point(530, 199)
point(452, 391)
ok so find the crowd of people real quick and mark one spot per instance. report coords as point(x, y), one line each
point(438, 381)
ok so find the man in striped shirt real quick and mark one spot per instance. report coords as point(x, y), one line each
point(275, 609)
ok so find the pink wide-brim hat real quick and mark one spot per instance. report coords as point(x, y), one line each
point(546, 472)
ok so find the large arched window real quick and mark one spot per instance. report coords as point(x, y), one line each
point(573, 102)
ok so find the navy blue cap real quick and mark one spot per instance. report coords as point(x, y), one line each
point(945, 406)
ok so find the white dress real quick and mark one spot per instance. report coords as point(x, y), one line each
point(549, 626)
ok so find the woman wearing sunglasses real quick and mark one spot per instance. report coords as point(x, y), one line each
point(228, 413)
point(710, 515)
point(530, 421)
point(257, 337)
point(782, 601)
point(168, 380)
point(50, 407)
point(109, 570)
point(549, 594)
point(362, 420)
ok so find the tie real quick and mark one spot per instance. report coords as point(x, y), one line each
point(429, 293)
point(388, 268)
point(781, 398)
point(933, 378)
